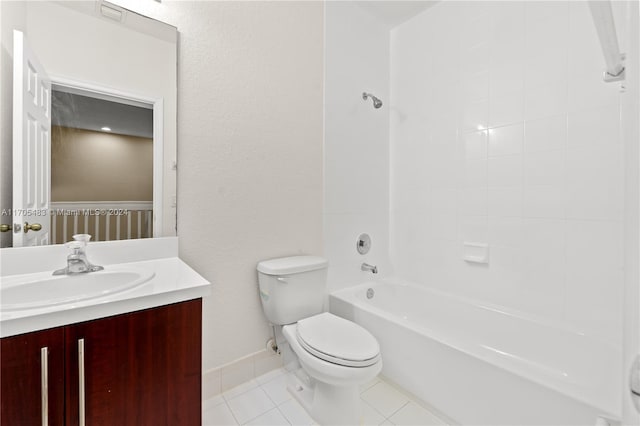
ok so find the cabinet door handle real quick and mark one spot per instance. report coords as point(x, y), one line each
point(44, 384)
point(81, 382)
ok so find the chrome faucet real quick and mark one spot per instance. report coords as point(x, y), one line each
point(77, 262)
point(371, 268)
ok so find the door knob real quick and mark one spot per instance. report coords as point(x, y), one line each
point(5, 228)
point(31, 227)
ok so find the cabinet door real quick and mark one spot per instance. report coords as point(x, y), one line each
point(32, 378)
point(142, 368)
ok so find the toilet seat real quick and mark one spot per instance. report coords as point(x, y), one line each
point(337, 340)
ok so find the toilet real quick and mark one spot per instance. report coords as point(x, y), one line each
point(337, 354)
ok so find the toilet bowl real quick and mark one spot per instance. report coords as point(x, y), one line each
point(340, 356)
point(337, 354)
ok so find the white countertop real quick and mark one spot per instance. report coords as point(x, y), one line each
point(173, 281)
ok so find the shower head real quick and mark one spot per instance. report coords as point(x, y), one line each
point(377, 103)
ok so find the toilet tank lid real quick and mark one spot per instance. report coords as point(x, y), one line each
point(292, 265)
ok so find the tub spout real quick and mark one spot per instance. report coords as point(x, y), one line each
point(371, 268)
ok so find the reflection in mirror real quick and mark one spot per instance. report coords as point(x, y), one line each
point(98, 147)
point(96, 63)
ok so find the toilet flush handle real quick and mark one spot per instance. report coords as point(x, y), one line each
point(282, 280)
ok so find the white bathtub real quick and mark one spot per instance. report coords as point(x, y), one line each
point(479, 365)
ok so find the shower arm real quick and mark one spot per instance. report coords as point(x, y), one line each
point(602, 15)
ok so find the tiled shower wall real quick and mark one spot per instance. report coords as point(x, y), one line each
point(356, 142)
point(503, 132)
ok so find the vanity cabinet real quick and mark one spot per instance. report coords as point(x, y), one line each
point(139, 368)
point(31, 362)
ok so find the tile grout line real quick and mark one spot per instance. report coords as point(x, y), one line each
point(396, 412)
point(375, 408)
point(231, 411)
point(278, 406)
point(275, 404)
point(258, 385)
point(227, 399)
point(261, 414)
point(282, 414)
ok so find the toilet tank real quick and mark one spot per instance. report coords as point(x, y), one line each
point(292, 288)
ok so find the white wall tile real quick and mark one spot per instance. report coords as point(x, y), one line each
point(474, 59)
point(473, 201)
point(236, 373)
point(265, 362)
point(539, 160)
point(544, 267)
point(505, 201)
point(544, 201)
point(443, 201)
point(505, 171)
point(475, 31)
point(594, 277)
point(546, 98)
point(443, 227)
point(594, 128)
point(211, 384)
point(550, 17)
point(507, 109)
point(546, 40)
point(505, 231)
point(506, 140)
point(474, 229)
point(357, 170)
point(545, 168)
point(595, 183)
point(594, 244)
point(445, 97)
point(590, 92)
point(585, 57)
point(474, 116)
point(546, 134)
point(506, 78)
point(475, 145)
point(473, 11)
point(506, 275)
point(474, 86)
point(475, 173)
point(506, 26)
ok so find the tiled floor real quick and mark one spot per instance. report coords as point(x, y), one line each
point(266, 401)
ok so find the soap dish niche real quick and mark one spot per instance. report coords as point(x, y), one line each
point(473, 252)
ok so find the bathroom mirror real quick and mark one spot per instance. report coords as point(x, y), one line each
point(108, 82)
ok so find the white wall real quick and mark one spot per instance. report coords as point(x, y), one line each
point(356, 181)
point(249, 152)
point(503, 132)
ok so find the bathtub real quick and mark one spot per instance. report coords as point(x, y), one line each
point(480, 365)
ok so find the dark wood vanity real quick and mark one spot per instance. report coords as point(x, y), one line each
point(139, 368)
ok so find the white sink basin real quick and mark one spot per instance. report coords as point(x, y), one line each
point(43, 290)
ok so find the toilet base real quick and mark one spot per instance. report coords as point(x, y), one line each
point(328, 404)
